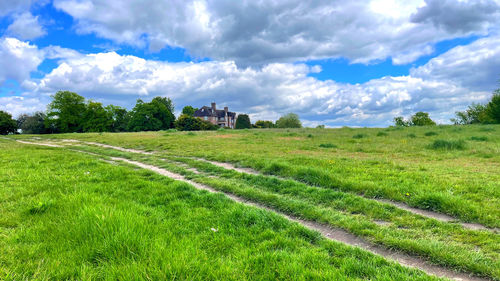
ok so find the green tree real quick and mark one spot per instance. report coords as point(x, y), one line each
point(474, 114)
point(7, 124)
point(32, 124)
point(243, 122)
point(163, 110)
point(96, 118)
point(119, 118)
point(153, 116)
point(422, 119)
point(401, 122)
point(189, 110)
point(493, 109)
point(290, 120)
point(264, 124)
point(66, 112)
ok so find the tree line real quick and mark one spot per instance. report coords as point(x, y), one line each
point(69, 112)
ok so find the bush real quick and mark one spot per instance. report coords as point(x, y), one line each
point(328, 145)
point(243, 122)
point(448, 145)
point(412, 136)
point(359, 136)
point(431, 133)
point(382, 134)
point(290, 120)
point(190, 123)
point(482, 138)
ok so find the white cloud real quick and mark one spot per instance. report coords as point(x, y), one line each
point(8, 6)
point(261, 32)
point(18, 59)
point(449, 82)
point(26, 27)
point(16, 105)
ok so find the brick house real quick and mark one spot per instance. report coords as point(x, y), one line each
point(222, 118)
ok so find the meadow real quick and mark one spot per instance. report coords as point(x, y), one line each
point(71, 215)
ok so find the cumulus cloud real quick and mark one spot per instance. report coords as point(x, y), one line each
point(278, 88)
point(18, 59)
point(261, 32)
point(16, 105)
point(9, 6)
point(459, 16)
point(26, 27)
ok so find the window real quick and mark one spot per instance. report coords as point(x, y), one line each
point(205, 117)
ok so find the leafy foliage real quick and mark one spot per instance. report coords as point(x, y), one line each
point(66, 112)
point(7, 124)
point(96, 118)
point(153, 116)
point(422, 119)
point(290, 120)
point(32, 124)
point(189, 110)
point(190, 123)
point(474, 114)
point(243, 122)
point(264, 124)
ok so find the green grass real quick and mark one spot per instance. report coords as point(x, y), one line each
point(328, 145)
point(430, 134)
point(466, 181)
point(441, 243)
point(448, 145)
point(66, 215)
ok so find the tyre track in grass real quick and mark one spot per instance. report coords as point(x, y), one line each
point(400, 205)
point(328, 232)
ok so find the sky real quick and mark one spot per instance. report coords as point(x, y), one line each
point(332, 62)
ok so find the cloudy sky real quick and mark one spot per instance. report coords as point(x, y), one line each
point(356, 63)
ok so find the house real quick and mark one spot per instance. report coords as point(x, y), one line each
point(222, 118)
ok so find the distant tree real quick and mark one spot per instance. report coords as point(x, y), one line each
point(189, 123)
point(401, 122)
point(320, 127)
point(474, 114)
point(492, 110)
point(290, 120)
point(264, 124)
point(243, 122)
point(32, 124)
point(119, 118)
point(189, 110)
point(96, 118)
point(164, 111)
point(7, 124)
point(421, 119)
point(65, 112)
point(153, 116)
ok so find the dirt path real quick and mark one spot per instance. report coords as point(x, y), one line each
point(425, 213)
point(328, 232)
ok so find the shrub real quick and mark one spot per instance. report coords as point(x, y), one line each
point(482, 138)
point(328, 145)
point(289, 120)
point(448, 145)
point(359, 136)
point(7, 124)
point(243, 122)
point(412, 136)
point(382, 134)
point(431, 133)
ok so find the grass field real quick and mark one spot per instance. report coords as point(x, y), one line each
point(92, 219)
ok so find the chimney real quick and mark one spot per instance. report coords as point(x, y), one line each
point(213, 106)
point(226, 109)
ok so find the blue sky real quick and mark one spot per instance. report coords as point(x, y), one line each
point(333, 63)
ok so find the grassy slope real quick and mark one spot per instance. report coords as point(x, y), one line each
point(68, 216)
point(387, 163)
point(442, 243)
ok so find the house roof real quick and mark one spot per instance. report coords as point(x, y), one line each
point(208, 111)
